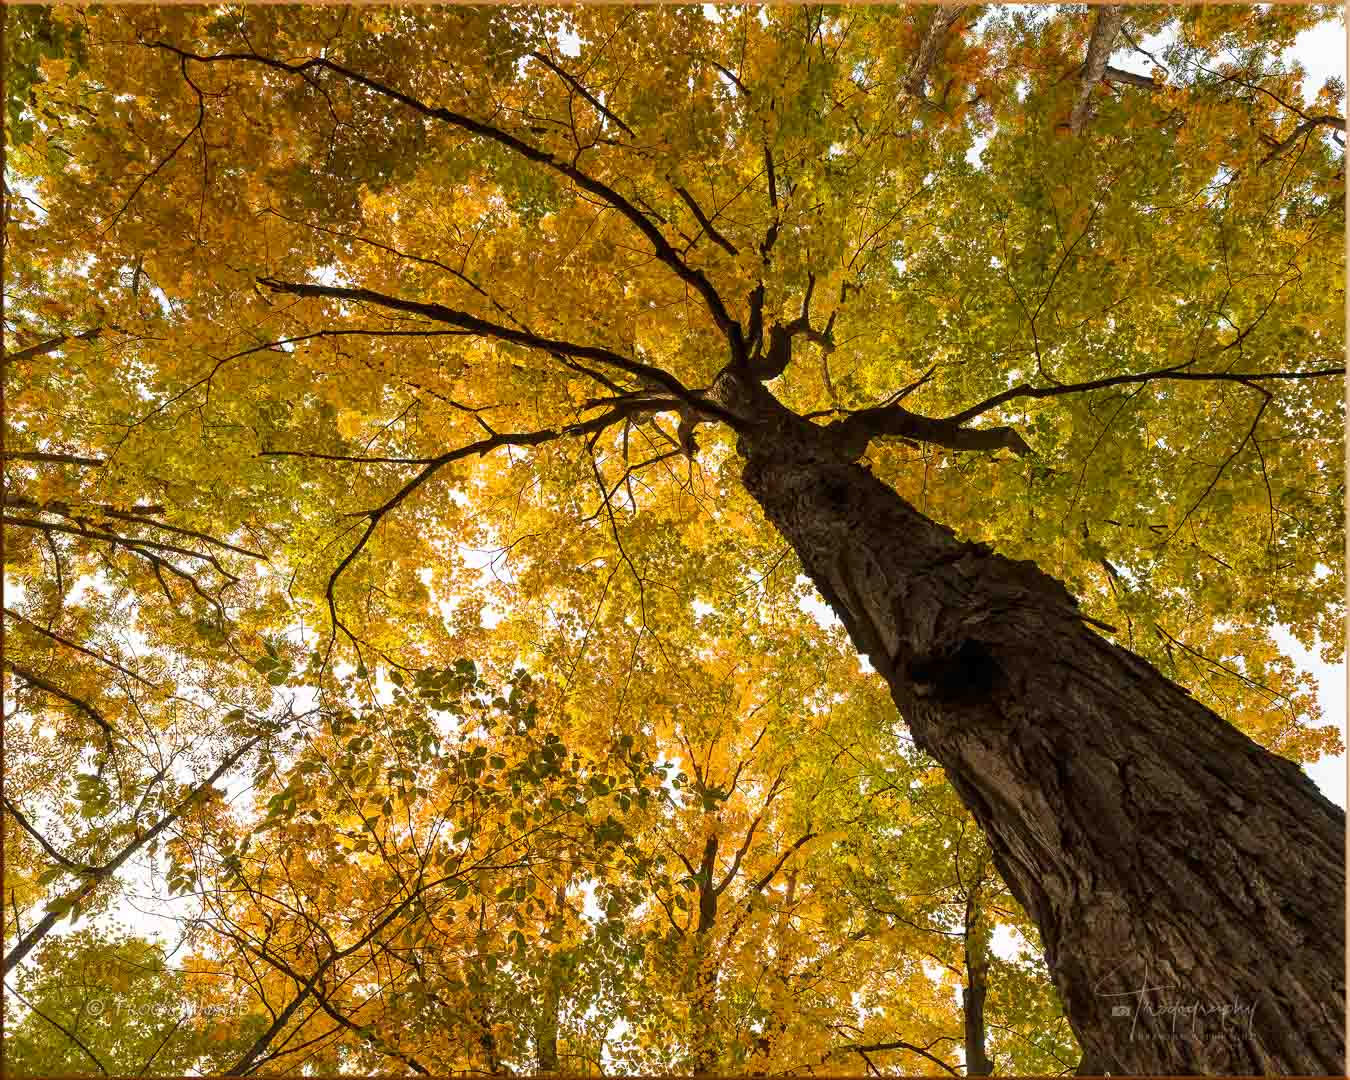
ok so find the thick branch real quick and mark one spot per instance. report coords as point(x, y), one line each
point(934, 39)
point(52, 853)
point(1104, 31)
point(706, 223)
point(64, 510)
point(61, 459)
point(897, 1044)
point(730, 76)
point(735, 867)
point(1303, 129)
point(1129, 78)
point(595, 103)
point(759, 886)
point(42, 348)
point(440, 313)
point(38, 932)
point(42, 684)
point(775, 361)
point(858, 429)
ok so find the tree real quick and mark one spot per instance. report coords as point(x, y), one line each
point(114, 1006)
point(635, 298)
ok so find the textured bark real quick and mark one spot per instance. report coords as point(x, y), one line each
point(1174, 867)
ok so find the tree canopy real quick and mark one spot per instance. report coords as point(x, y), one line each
point(384, 603)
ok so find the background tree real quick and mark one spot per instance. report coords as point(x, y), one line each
point(116, 1007)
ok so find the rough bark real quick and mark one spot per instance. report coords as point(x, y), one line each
point(1174, 867)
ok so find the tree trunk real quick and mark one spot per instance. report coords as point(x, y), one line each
point(546, 1028)
point(703, 1009)
point(977, 984)
point(1188, 884)
point(546, 1019)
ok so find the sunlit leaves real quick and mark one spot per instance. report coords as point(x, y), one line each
point(547, 846)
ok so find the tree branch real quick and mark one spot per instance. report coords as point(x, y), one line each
point(730, 75)
point(1303, 129)
point(1026, 391)
point(136, 545)
point(64, 510)
point(597, 105)
point(365, 1034)
point(484, 328)
point(1104, 31)
point(434, 465)
point(39, 931)
point(898, 1044)
point(61, 459)
point(78, 648)
point(42, 348)
point(760, 885)
point(934, 39)
point(706, 224)
point(779, 354)
point(1118, 75)
point(858, 429)
point(52, 853)
point(61, 1028)
point(250, 1058)
point(665, 253)
point(55, 691)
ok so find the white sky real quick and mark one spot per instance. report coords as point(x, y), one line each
point(1322, 53)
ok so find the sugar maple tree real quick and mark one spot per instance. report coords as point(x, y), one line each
point(331, 331)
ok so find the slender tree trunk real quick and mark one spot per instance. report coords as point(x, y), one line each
point(977, 984)
point(482, 1014)
point(1188, 884)
point(546, 1020)
point(546, 1028)
point(705, 966)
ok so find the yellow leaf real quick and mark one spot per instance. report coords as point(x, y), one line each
point(349, 423)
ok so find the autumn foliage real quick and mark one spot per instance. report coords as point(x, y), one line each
point(384, 610)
